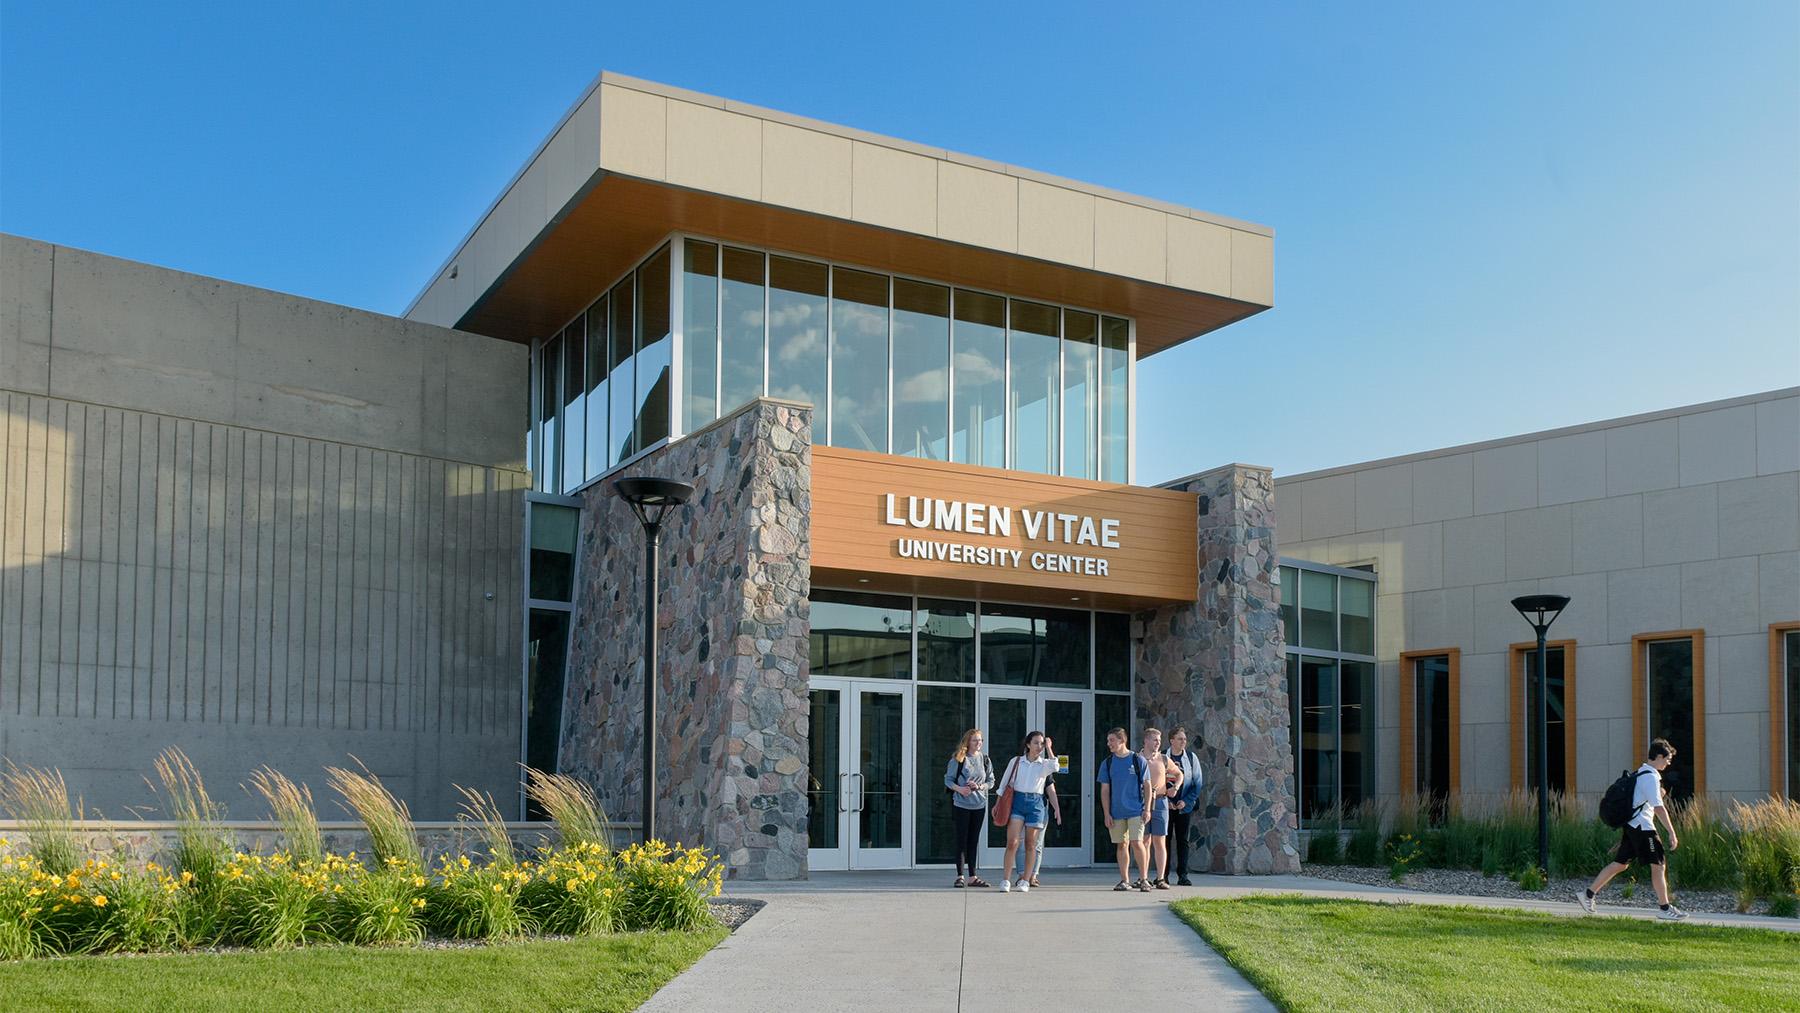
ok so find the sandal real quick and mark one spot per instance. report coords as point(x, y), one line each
point(977, 881)
point(1121, 887)
point(1034, 883)
point(959, 884)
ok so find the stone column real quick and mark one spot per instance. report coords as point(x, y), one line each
point(733, 616)
point(1218, 667)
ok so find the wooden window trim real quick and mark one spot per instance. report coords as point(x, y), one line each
point(1640, 691)
point(1516, 737)
point(1778, 785)
point(1408, 731)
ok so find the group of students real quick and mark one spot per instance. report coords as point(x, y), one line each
point(1145, 798)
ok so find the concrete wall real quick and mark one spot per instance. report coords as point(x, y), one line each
point(733, 622)
point(262, 528)
point(1688, 518)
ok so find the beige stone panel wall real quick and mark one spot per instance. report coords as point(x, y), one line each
point(1199, 255)
point(1056, 223)
point(978, 207)
point(806, 169)
point(714, 150)
point(1130, 240)
point(894, 189)
point(633, 132)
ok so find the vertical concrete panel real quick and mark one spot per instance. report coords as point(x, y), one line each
point(12, 483)
point(31, 555)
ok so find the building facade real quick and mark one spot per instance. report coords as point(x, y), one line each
point(1676, 537)
point(264, 529)
point(902, 381)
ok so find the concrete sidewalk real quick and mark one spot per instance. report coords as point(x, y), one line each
point(906, 941)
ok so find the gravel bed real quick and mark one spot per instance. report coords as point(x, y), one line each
point(735, 911)
point(1471, 883)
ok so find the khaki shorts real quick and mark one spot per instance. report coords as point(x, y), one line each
point(1127, 830)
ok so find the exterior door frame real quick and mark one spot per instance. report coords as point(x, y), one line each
point(852, 779)
point(1034, 698)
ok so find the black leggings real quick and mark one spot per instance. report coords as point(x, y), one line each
point(1178, 840)
point(968, 836)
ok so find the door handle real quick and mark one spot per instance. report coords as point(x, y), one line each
point(843, 794)
point(859, 791)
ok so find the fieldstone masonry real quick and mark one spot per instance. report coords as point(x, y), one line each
point(733, 624)
point(1217, 666)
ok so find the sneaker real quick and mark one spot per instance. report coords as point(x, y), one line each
point(1586, 902)
point(1024, 886)
point(1671, 914)
point(1121, 886)
point(1006, 886)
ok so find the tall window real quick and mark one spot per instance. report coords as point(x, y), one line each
point(1430, 720)
point(1035, 344)
point(599, 384)
point(622, 417)
point(654, 341)
point(1559, 679)
point(921, 370)
point(978, 380)
point(1081, 380)
point(1784, 709)
point(550, 589)
point(1331, 684)
point(699, 334)
point(859, 360)
point(574, 410)
point(549, 416)
point(1668, 702)
point(742, 305)
point(797, 330)
point(1115, 407)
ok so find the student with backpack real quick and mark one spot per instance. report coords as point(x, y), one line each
point(1185, 801)
point(1633, 803)
point(1125, 795)
point(969, 778)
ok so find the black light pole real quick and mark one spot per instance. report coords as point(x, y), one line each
point(1540, 610)
point(651, 499)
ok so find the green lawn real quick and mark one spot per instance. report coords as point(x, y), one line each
point(606, 973)
point(1318, 954)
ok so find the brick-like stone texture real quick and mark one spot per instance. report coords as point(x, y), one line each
point(733, 623)
point(1217, 666)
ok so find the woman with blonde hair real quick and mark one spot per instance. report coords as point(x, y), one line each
point(969, 778)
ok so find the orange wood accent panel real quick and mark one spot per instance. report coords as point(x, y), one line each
point(1778, 744)
point(1640, 703)
point(1408, 721)
point(853, 545)
point(1515, 666)
point(621, 219)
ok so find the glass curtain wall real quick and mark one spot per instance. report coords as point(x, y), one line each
point(1329, 628)
point(946, 647)
point(895, 365)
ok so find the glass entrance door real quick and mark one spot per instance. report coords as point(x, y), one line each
point(1007, 715)
point(861, 783)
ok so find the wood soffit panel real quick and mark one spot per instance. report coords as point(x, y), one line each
point(854, 545)
point(620, 219)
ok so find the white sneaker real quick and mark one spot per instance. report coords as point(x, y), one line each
point(1586, 902)
point(1671, 914)
point(1024, 886)
point(1006, 886)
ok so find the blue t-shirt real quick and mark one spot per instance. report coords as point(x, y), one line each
point(1127, 786)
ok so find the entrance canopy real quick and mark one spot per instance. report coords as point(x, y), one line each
point(633, 162)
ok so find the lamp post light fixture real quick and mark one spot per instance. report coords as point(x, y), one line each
point(651, 499)
point(1540, 610)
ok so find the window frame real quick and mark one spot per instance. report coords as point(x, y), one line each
point(1780, 748)
point(1640, 696)
point(1371, 707)
point(1518, 734)
point(1409, 780)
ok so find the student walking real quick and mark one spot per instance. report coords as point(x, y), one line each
point(1156, 829)
point(1638, 839)
point(1124, 780)
point(1037, 856)
point(1026, 775)
point(970, 776)
point(1184, 802)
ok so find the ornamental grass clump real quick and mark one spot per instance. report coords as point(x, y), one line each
point(1461, 834)
point(1366, 837)
point(667, 889)
point(479, 810)
point(1325, 846)
point(1579, 843)
point(384, 817)
point(572, 806)
point(1769, 850)
point(39, 800)
point(1708, 856)
point(202, 847)
point(291, 808)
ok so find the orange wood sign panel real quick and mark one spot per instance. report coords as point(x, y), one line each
point(899, 523)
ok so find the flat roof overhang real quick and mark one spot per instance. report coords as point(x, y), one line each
point(634, 161)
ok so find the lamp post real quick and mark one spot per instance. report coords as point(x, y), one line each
point(1540, 610)
point(651, 499)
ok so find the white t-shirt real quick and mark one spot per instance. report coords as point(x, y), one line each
point(1646, 798)
point(1029, 775)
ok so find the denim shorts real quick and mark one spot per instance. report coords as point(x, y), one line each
point(1159, 822)
point(1028, 807)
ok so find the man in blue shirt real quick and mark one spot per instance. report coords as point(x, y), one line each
point(1125, 794)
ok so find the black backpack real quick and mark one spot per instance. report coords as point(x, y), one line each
point(1616, 809)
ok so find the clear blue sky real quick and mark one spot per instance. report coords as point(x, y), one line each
point(1490, 219)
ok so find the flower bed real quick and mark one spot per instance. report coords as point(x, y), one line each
point(56, 899)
